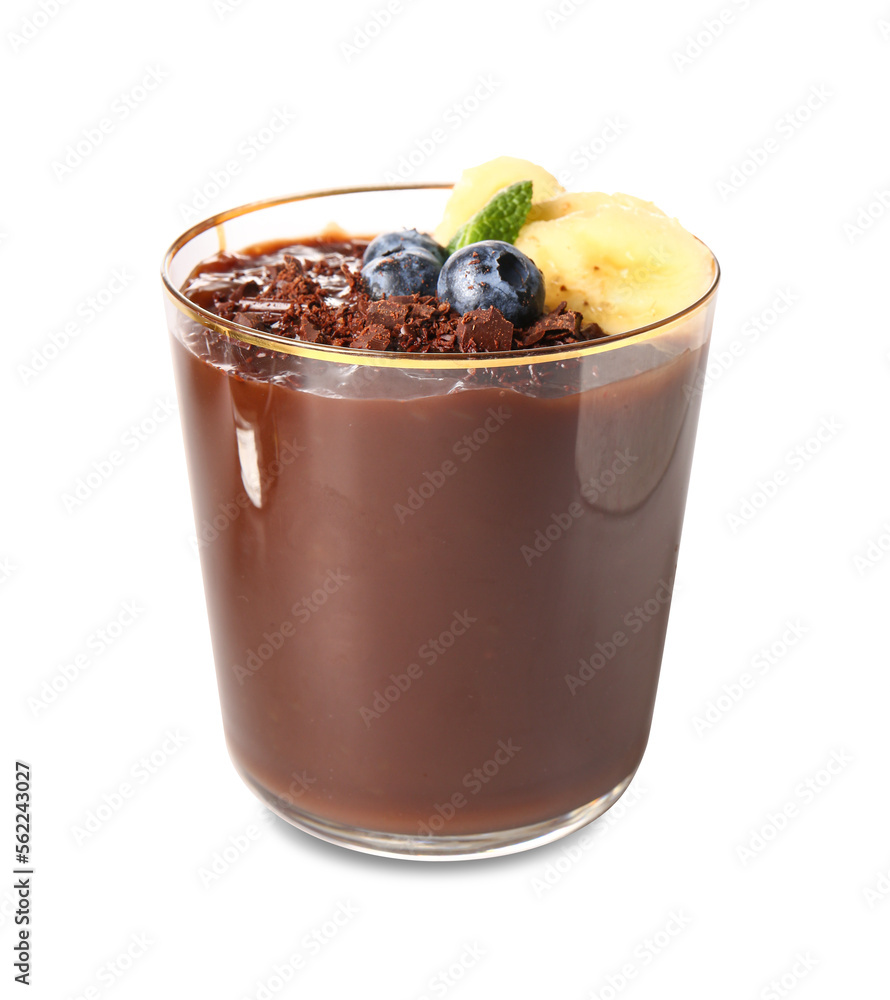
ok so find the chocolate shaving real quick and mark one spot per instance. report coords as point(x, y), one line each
point(264, 305)
point(314, 293)
point(593, 331)
point(559, 320)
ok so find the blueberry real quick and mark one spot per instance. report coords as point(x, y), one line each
point(493, 273)
point(402, 272)
point(387, 243)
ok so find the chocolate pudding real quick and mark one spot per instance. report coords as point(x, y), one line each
point(438, 596)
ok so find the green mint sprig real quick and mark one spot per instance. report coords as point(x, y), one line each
point(500, 219)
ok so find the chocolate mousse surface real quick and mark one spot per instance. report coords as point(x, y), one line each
point(312, 291)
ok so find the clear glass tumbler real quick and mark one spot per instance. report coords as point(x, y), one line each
point(438, 585)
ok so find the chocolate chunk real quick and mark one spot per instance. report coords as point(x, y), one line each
point(484, 330)
point(252, 320)
point(388, 313)
point(375, 338)
point(248, 288)
point(421, 311)
point(308, 331)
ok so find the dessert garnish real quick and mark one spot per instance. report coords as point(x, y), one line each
point(492, 273)
point(516, 263)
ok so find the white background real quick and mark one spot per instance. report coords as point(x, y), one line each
point(810, 902)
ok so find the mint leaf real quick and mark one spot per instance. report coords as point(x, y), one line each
point(500, 219)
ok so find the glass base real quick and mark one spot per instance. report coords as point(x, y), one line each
point(440, 847)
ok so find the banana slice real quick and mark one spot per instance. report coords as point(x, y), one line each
point(477, 185)
point(619, 261)
point(584, 201)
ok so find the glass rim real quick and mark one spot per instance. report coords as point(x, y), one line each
point(392, 359)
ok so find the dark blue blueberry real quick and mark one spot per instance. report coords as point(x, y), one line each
point(403, 272)
point(493, 273)
point(387, 243)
